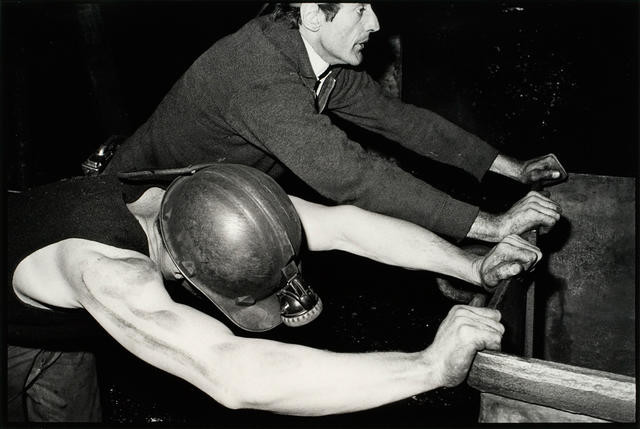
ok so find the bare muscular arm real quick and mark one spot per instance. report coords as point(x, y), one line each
point(128, 299)
point(397, 242)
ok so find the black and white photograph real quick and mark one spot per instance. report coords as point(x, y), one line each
point(240, 214)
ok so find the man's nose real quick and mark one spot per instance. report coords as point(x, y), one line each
point(372, 23)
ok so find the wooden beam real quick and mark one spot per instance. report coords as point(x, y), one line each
point(569, 388)
point(498, 409)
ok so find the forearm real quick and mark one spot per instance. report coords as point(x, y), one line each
point(384, 239)
point(532, 211)
point(397, 242)
point(300, 380)
point(507, 166)
point(129, 301)
point(485, 228)
point(263, 374)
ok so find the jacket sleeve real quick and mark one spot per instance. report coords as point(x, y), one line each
point(280, 117)
point(357, 98)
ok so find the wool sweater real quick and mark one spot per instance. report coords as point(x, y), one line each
point(90, 208)
point(249, 99)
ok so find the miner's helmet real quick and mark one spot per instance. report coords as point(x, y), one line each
point(235, 236)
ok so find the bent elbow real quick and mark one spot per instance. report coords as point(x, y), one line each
point(232, 402)
point(242, 399)
point(234, 382)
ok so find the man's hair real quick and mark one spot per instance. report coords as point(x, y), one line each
point(290, 12)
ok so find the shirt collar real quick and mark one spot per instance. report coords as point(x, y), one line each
point(317, 63)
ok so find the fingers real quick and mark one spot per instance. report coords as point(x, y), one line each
point(493, 276)
point(461, 334)
point(505, 270)
point(507, 259)
point(492, 343)
point(478, 300)
point(518, 243)
point(475, 312)
point(514, 248)
point(544, 173)
point(532, 211)
point(546, 167)
point(538, 199)
point(481, 328)
point(550, 162)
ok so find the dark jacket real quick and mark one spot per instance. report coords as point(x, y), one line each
point(249, 99)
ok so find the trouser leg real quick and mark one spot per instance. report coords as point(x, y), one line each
point(67, 391)
point(60, 387)
point(20, 361)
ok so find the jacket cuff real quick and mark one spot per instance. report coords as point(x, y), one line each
point(482, 160)
point(456, 219)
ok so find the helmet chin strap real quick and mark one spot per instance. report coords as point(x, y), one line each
point(299, 304)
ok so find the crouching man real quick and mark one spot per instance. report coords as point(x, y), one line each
point(79, 248)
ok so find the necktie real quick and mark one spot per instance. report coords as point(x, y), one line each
point(325, 90)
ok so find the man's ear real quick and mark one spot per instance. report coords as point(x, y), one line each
point(310, 16)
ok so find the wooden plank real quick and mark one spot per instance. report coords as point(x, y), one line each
point(497, 409)
point(574, 389)
point(531, 237)
point(529, 321)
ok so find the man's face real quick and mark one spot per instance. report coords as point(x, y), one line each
point(342, 39)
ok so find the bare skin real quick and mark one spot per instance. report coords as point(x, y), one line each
point(397, 242)
point(534, 210)
point(341, 40)
point(543, 168)
point(123, 290)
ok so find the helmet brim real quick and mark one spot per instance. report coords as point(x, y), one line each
point(261, 316)
point(230, 229)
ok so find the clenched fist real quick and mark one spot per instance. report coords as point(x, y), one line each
point(508, 258)
point(534, 210)
point(465, 331)
point(545, 169)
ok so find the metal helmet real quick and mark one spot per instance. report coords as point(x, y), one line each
point(234, 235)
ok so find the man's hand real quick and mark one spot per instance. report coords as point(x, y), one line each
point(546, 169)
point(543, 169)
point(533, 211)
point(465, 331)
point(509, 258)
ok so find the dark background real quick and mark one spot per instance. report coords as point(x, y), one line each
point(529, 77)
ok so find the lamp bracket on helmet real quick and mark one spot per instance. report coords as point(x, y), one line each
point(298, 302)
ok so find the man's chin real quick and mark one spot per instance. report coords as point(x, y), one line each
point(355, 60)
